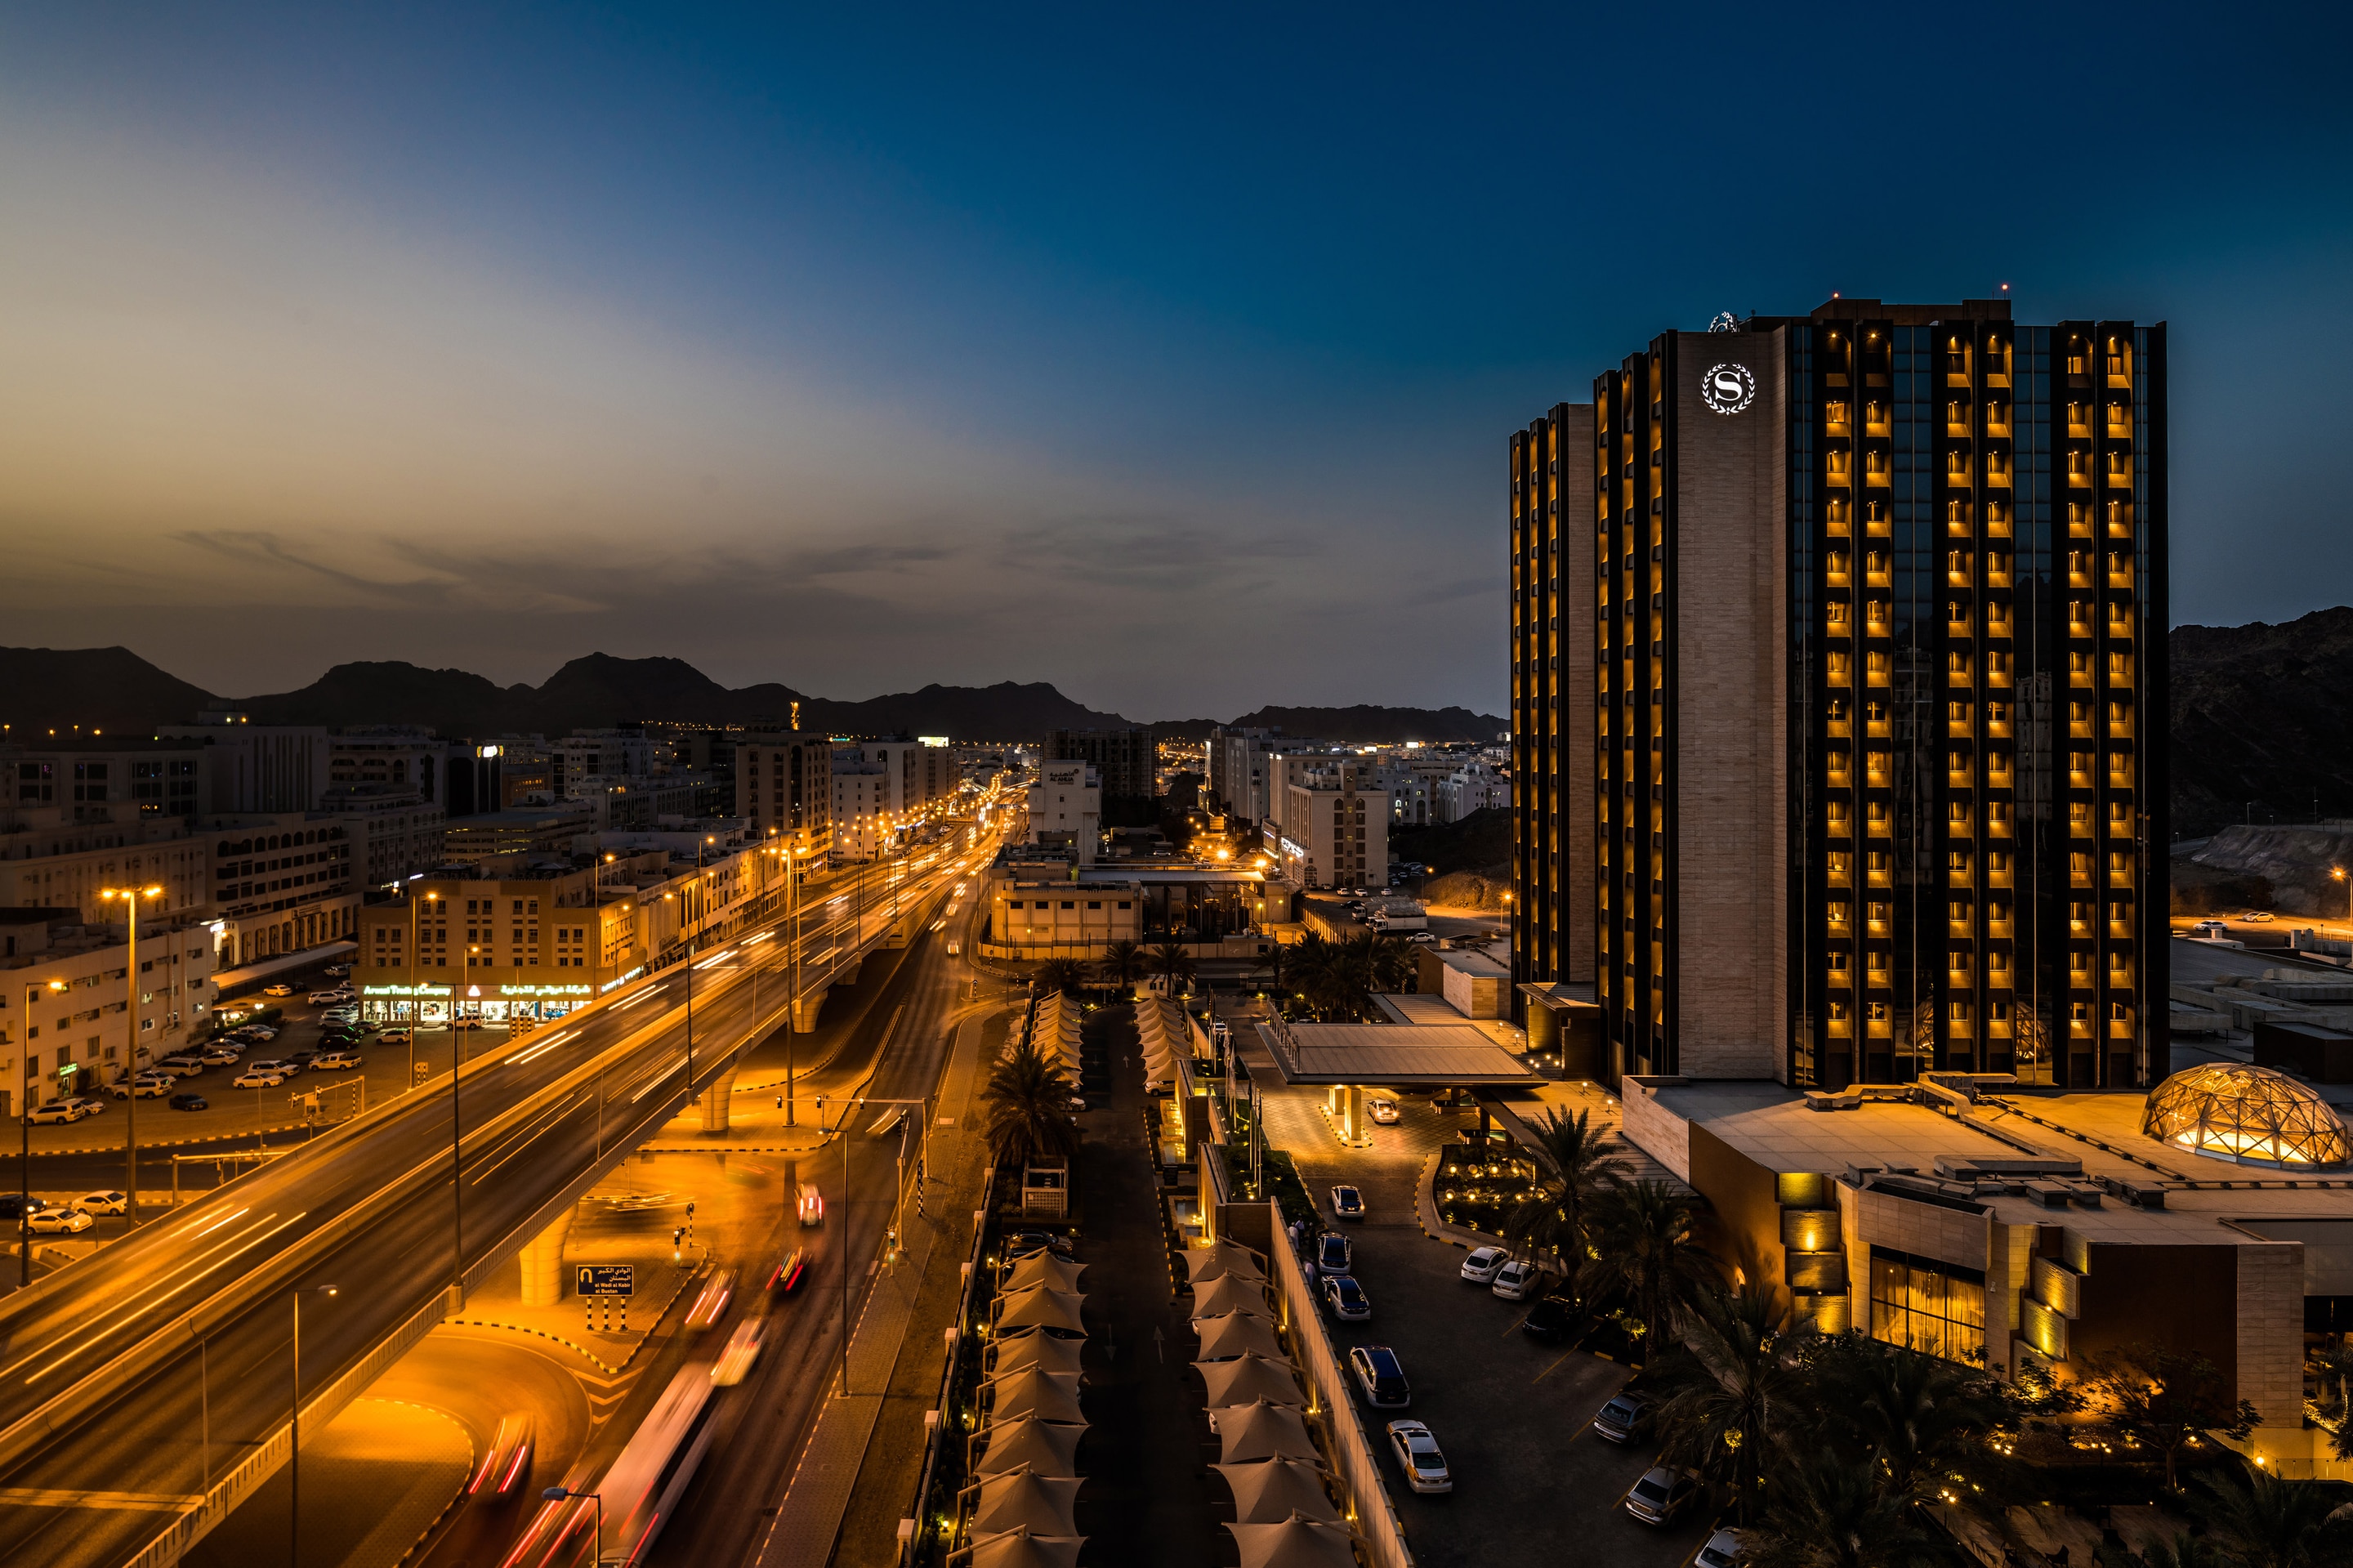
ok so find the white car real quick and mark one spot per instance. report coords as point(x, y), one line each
point(1382, 1111)
point(1516, 1281)
point(1662, 1494)
point(1483, 1263)
point(146, 1087)
point(328, 998)
point(277, 990)
point(742, 1350)
point(260, 1078)
point(220, 1055)
point(1419, 1457)
point(57, 1110)
point(99, 1204)
point(182, 1063)
point(58, 1222)
point(1722, 1551)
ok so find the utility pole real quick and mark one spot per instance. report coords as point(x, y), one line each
point(131, 897)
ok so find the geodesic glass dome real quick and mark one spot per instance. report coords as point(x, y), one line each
point(2252, 1115)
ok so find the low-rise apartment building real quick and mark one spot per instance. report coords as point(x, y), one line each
point(100, 778)
point(497, 942)
point(1332, 831)
point(1041, 905)
point(784, 788)
point(397, 830)
point(1066, 809)
point(68, 1014)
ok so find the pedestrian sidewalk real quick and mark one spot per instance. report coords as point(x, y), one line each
point(866, 1447)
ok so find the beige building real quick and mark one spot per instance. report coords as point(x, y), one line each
point(784, 789)
point(1066, 809)
point(76, 1039)
point(495, 942)
point(1333, 826)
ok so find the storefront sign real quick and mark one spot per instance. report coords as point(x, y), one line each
point(404, 991)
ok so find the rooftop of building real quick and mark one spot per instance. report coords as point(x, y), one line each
point(1838, 308)
point(1410, 1056)
point(1998, 1144)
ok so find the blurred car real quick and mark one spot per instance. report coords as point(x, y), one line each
point(1347, 1203)
point(742, 1350)
point(712, 1304)
point(1417, 1455)
point(1662, 1494)
point(466, 1024)
point(1345, 1300)
point(335, 1061)
point(91, 1103)
point(506, 1461)
point(260, 1078)
point(1551, 1317)
point(1334, 1255)
point(1722, 1551)
point(1383, 1110)
point(277, 990)
point(54, 1111)
point(1624, 1418)
point(1483, 1263)
point(1516, 1280)
point(811, 1204)
point(189, 1103)
point(1380, 1375)
point(790, 1268)
point(338, 971)
point(100, 1203)
point(58, 1222)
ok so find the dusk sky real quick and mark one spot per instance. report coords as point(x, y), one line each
point(1168, 356)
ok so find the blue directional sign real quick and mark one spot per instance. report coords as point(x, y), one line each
point(606, 1278)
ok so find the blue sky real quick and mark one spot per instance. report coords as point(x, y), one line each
point(1168, 356)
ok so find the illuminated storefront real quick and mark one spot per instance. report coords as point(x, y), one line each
point(435, 1005)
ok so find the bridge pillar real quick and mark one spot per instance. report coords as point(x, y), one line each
point(805, 1012)
point(717, 1095)
point(543, 1263)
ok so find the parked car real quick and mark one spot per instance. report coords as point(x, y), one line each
point(1483, 1263)
point(1334, 1255)
point(260, 1076)
point(2208, 929)
point(1516, 1280)
point(54, 1111)
point(100, 1203)
point(466, 1024)
point(329, 998)
point(189, 1103)
point(1022, 1244)
point(1382, 1109)
point(259, 1032)
point(277, 990)
point(1722, 1551)
point(13, 1206)
point(1624, 1418)
point(298, 1061)
point(146, 1086)
point(1347, 1203)
point(338, 971)
point(335, 1061)
point(1662, 1494)
point(1380, 1376)
point(221, 1055)
point(2257, 918)
point(1424, 938)
point(183, 1064)
point(397, 1035)
point(1417, 1455)
point(1551, 1317)
point(1345, 1300)
point(58, 1222)
point(91, 1103)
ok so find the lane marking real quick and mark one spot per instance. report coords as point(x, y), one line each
point(106, 1329)
point(140, 1502)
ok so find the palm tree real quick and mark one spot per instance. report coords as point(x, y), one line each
point(1736, 1389)
point(2261, 1521)
point(1919, 1422)
point(1171, 959)
point(1065, 975)
point(1646, 1249)
point(1025, 1108)
point(1825, 1513)
point(1122, 961)
point(2185, 1551)
point(1552, 1220)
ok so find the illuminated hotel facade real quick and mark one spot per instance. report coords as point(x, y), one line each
point(1838, 701)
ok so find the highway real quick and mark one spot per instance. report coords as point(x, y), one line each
point(373, 1201)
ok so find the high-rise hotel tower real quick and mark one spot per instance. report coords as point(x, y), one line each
point(1838, 701)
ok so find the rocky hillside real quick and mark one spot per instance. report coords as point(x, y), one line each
point(2262, 722)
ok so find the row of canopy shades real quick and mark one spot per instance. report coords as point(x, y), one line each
point(1054, 1032)
point(1166, 1034)
point(1024, 1477)
point(1283, 1513)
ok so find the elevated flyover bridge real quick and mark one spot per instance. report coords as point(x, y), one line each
point(147, 1389)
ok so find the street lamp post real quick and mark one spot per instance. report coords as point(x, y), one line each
point(2339, 873)
point(294, 1446)
point(558, 1494)
point(131, 897)
point(457, 1159)
point(415, 999)
point(24, 1143)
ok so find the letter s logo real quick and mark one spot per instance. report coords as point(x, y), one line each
point(1727, 388)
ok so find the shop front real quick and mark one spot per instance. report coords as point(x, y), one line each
point(436, 1006)
point(419, 1006)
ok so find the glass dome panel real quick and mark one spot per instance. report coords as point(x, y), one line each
point(2250, 1115)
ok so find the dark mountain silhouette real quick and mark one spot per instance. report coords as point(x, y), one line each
point(1365, 723)
point(2262, 722)
point(103, 688)
point(1008, 711)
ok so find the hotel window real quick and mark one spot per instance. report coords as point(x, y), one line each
point(1937, 1309)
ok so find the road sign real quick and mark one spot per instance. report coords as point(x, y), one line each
point(606, 1278)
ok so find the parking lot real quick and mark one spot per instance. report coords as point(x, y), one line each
point(1512, 1412)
